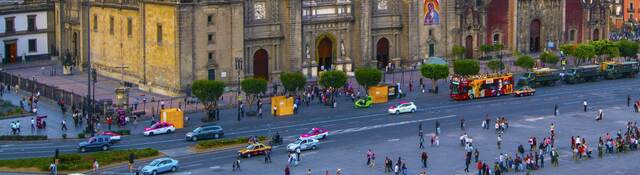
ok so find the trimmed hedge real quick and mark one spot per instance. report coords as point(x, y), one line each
point(23, 137)
point(76, 162)
point(207, 144)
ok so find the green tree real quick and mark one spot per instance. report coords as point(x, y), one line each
point(253, 87)
point(485, 49)
point(549, 58)
point(495, 65)
point(458, 51)
point(627, 48)
point(293, 81)
point(208, 92)
point(525, 62)
point(568, 49)
point(466, 67)
point(434, 72)
point(584, 52)
point(368, 77)
point(333, 80)
point(605, 47)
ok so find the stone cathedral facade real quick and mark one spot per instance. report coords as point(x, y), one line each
point(164, 45)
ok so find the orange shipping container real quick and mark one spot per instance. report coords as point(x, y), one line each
point(173, 116)
point(380, 94)
point(284, 105)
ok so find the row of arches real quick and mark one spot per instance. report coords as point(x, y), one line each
point(325, 51)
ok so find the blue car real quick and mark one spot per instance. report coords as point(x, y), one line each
point(160, 165)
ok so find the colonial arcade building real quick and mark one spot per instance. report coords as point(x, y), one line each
point(167, 44)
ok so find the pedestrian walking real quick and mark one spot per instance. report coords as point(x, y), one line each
point(421, 146)
point(309, 171)
point(555, 110)
point(64, 125)
point(275, 110)
point(33, 124)
point(437, 127)
point(424, 158)
point(462, 123)
point(600, 115)
point(53, 169)
point(267, 156)
point(287, 171)
point(476, 154)
point(259, 112)
point(96, 166)
point(499, 142)
point(584, 104)
point(236, 164)
point(467, 161)
point(298, 157)
point(131, 161)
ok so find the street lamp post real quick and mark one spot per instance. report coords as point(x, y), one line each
point(89, 100)
point(238, 68)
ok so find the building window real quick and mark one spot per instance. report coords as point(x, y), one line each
point(129, 26)
point(212, 74)
point(159, 33)
point(95, 23)
point(9, 24)
point(212, 55)
point(210, 20)
point(211, 38)
point(572, 35)
point(31, 23)
point(430, 32)
point(111, 25)
point(496, 38)
point(33, 45)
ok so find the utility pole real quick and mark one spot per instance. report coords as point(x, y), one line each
point(238, 68)
point(89, 100)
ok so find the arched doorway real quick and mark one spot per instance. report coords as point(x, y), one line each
point(468, 47)
point(596, 34)
point(325, 54)
point(534, 36)
point(382, 53)
point(261, 64)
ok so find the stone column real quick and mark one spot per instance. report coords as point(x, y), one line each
point(365, 33)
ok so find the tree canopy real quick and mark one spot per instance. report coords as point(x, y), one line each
point(525, 62)
point(434, 72)
point(293, 81)
point(584, 52)
point(368, 76)
point(208, 92)
point(333, 79)
point(466, 67)
point(495, 65)
point(627, 48)
point(458, 51)
point(549, 58)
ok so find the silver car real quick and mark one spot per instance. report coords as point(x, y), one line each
point(303, 144)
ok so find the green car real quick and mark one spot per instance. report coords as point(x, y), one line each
point(364, 103)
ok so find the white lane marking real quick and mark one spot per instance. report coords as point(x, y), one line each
point(214, 167)
point(393, 140)
point(190, 165)
point(351, 130)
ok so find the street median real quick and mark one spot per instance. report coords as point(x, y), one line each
point(221, 144)
point(74, 162)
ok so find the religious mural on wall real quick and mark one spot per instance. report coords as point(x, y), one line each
point(431, 12)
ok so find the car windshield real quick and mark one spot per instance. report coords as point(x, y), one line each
point(154, 163)
point(311, 132)
point(197, 130)
point(92, 139)
point(250, 147)
point(297, 142)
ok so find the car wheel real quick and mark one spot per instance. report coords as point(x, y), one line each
point(151, 133)
point(169, 131)
point(397, 112)
point(82, 149)
point(314, 147)
point(249, 155)
point(324, 136)
point(413, 110)
point(216, 136)
point(154, 172)
point(194, 138)
point(174, 169)
point(105, 147)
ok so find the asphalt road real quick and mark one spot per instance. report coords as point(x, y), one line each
point(354, 128)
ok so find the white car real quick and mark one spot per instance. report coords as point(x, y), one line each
point(403, 107)
point(303, 144)
point(159, 128)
